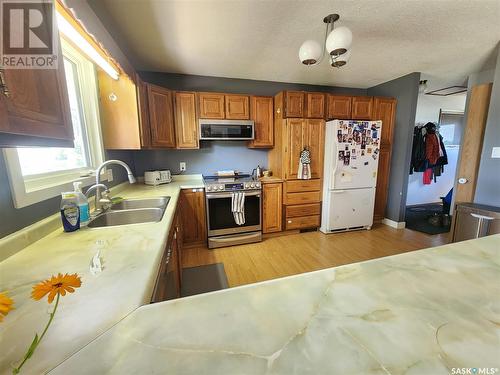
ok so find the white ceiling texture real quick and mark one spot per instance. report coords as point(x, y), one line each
point(253, 39)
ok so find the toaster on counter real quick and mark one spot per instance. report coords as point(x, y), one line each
point(157, 177)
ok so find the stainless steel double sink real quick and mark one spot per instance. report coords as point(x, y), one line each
point(132, 211)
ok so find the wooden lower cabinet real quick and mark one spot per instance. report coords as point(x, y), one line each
point(168, 282)
point(302, 222)
point(272, 207)
point(302, 204)
point(193, 217)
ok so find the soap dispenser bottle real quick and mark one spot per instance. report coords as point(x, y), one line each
point(83, 204)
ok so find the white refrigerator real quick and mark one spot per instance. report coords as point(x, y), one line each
point(352, 150)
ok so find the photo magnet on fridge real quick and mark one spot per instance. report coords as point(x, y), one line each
point(346, 160)
point(341, 155)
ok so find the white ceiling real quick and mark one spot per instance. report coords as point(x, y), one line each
point(446, 39)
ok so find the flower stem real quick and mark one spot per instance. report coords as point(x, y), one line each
point(32, 348)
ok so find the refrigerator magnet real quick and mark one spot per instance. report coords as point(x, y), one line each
point(369, 150)
point(366, 163)
point(341, 155)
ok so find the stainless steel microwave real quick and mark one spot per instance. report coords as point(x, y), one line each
point(226, 130)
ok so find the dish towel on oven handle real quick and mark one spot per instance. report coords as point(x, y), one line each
point(304, 171)
point(238, 207)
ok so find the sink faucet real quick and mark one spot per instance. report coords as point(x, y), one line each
point(130, 176)
point(97, 187)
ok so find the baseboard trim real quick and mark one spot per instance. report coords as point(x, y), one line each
point(394, 224)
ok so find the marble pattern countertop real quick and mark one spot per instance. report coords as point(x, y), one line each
point(131, 256)
point(424, 312)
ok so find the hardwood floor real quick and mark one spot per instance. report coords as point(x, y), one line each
point(297, 253)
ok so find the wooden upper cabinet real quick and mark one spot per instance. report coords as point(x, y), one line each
point(211, 105)
point(384, 109)
point(161, 117)
point(339, 107)
point(237, 107)
point(314, 139)
point(119, 112)
point(271, 207)
point(261, 112)
point(294, 104)
point(186, 127)
point(315, 105)
point(143, 110)
point(362, 108)
point(35, 103)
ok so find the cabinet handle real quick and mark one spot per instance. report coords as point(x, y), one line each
point(3, 84)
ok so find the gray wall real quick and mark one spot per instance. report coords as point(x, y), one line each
point(211, 156)
point(405, 90)
point(488, 181)
point(188, 82)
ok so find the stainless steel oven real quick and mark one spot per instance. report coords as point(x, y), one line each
point(222, 228)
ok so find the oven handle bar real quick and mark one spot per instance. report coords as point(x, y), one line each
point(229, 195)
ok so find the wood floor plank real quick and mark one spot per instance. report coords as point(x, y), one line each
point(297, 253)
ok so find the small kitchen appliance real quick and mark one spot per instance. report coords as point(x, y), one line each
point(157, 177)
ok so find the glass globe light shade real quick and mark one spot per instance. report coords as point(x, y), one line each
point(339, 41)
point(310, 52)
point(341, 60)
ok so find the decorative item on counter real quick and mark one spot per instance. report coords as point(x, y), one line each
point(55, 287)
point(70, 213)
point(83, 204)
point(268, 173)
point(5, 305)
point(304, 170)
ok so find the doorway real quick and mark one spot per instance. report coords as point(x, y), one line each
point(434, 166)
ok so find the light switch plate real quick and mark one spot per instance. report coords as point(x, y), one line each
point(495, 152)
point(182, 166)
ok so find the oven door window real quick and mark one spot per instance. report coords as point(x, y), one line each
point(221, 217)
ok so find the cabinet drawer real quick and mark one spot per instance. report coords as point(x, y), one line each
point(299, 186)
point(302, 210)
point(302, 222)
point(302, 198)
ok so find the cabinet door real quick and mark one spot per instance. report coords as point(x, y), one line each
point(339, 107)
point(294, 104)
point(35, 103)
point(261, 111)
point(271, 207)
point(315, 105)
point(186, 127)
point(362, 107)
point(315, 142)
point(237, 107)
point(119, 112)
point(384, 109)
point(193, 215)
point(161, 117)
point(384, 166)
point(295, 143)
point(142, 104)
point(211, 105)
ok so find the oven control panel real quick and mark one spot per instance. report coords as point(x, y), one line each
point(234, 186)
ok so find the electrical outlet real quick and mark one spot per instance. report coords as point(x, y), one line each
point(182, 166)
point(110, 174)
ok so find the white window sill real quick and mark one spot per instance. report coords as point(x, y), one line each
point(26, 192)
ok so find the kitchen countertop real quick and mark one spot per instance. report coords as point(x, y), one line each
point(131, 256)
point(423, 312)
point(270, 180)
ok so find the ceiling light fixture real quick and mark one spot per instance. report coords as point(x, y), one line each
point(337, 42)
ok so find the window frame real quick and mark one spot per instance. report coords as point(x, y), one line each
point(27, 190)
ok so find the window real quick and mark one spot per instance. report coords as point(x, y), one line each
point(40, 173)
